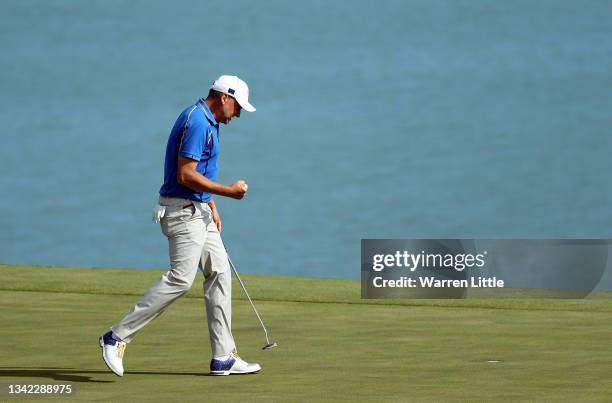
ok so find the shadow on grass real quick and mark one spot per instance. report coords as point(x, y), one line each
point(76, 375)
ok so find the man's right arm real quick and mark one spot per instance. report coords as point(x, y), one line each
point(188, 176)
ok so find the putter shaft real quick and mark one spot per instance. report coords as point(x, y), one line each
point(268, 344)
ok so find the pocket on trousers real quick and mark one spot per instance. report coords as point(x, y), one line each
point(174, 223)
point(189, 213)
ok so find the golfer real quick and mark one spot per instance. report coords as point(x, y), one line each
point(191, 222)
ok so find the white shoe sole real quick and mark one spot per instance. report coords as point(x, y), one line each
point(225, 373)
point(101, 341)
point(219, 373)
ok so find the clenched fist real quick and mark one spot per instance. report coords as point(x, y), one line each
point(239, 189)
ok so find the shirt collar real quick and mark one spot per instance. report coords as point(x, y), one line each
point(207, 112)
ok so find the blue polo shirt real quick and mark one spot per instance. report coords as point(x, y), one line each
point(195, 135)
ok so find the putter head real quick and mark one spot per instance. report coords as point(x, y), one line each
point(269, 346)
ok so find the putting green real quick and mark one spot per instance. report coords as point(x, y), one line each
point(333, 346)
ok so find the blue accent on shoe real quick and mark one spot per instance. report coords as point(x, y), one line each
point(218, 365)
point(108, 338)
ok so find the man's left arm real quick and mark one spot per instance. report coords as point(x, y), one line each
point(215, 214)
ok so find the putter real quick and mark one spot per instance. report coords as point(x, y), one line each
point(268, 345)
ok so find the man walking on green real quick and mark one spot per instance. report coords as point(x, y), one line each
point(190, 220)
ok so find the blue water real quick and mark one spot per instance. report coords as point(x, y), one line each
point(393, 119)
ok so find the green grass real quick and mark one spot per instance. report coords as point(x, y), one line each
point(333, 346)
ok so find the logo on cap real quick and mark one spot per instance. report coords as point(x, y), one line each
point(230, 91)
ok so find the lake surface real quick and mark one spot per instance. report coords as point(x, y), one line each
point(393, 119)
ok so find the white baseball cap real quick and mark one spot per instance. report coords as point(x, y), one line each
point(235, 87)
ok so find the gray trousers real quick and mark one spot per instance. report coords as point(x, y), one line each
point(194, 242)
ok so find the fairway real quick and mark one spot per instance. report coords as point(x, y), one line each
point(333, 346)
